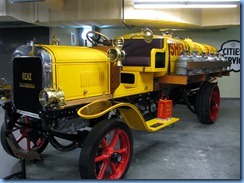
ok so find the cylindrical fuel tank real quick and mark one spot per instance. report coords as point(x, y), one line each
point(205, 59)
point(196, 58)
point(181, 63)
point(177, 46)
point(176, 49)
point(210, 49)
point(218, 59)
point(194, 46)
point(211, 58)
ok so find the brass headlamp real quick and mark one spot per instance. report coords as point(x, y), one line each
point(50, 97)
point(146, 33)
point(116, 54)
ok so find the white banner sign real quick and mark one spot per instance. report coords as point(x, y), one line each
point(231, 51)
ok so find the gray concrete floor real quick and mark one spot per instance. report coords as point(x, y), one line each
point(188, 150)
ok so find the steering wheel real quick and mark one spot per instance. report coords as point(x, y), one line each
point(97, 38)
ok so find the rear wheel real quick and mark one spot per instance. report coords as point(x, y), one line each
point(27, 138)
point(107, 151)
point(208, 103)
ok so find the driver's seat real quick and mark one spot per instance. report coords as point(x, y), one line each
point(138, 52)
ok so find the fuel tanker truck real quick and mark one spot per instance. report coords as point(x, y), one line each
point(92, 97)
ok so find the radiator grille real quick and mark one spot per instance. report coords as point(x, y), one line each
point(27, 83)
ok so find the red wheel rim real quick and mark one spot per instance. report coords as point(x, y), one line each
point(24, 138)
point(112, 155)
point(214, 104)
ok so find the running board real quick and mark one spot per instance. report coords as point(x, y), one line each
point(131, 114)
point(158, 123)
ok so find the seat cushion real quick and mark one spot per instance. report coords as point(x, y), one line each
point(138, 52)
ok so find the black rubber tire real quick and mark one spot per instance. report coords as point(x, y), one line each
point(93, 142)
point(4, 143)
point(7, 126)
point(204, 102)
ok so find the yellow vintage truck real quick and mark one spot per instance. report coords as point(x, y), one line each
point(93, 96)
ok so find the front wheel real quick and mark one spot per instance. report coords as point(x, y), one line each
point(208, 103)
point(107, 151)
point(26, 138)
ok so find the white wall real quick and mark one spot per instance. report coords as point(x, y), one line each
point(229, 85)
point(64, 34)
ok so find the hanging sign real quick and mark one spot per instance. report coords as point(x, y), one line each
point(231, 51)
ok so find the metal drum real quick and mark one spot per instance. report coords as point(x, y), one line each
point(181, 63)
point(196, 58)
point(211, 58)
point(218, 59)
point(205, 59)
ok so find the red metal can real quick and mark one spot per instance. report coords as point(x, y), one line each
point(164, 108)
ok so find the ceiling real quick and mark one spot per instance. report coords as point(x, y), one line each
point(110, 13)
point(8, 22)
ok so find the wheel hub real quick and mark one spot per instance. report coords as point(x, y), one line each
point(116, 157)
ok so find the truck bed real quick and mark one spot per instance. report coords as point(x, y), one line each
point(209, 69)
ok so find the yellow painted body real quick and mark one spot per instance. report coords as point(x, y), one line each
point(173, 47)
point(157, 72)
point(83, 74)
point(130, 113)
point(80, 72)
point(143, 83)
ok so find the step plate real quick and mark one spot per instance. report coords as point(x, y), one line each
point(158, 123)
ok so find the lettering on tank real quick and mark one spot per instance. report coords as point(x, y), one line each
point(177, 48)
point(231, 51)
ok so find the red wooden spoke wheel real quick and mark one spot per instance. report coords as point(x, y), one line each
point(214, 103)
point(208, 103)
point(107, 151)
point(26, 137)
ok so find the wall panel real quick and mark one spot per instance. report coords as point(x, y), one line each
point(11, 38)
